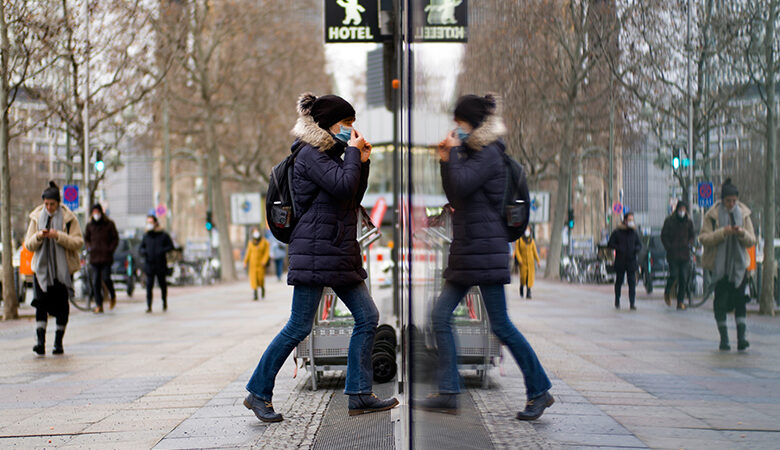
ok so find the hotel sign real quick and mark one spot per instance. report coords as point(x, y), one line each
point(441, 21)
point(352, 21)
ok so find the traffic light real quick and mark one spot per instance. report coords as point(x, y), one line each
point(570, 222)
point(675, 158)
point(209, 222)
point(100, 165)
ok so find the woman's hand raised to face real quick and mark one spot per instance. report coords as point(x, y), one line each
point(356, 140)
point(365, 152)
point(446, 145)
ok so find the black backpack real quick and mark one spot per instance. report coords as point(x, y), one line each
point(515, 209)
point(280, 208)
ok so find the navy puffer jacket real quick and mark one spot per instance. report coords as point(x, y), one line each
point(474, 181)
point(323, 246)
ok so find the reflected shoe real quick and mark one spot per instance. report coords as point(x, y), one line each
point(441, 403)
point(263, 410)
point(368, 403)
point(535, 407)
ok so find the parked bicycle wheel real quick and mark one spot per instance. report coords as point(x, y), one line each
point(81, 295)
point(700, 289)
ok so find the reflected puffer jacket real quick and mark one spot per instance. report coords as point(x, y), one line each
point(327, 189)
point(474, 181)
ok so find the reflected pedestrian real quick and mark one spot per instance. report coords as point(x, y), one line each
point(626, 242)
point(329, 180)
point(101, 239)
point(528, 259)
point(54, 237)
point(473, 176)
point(677, 237)
point(278, 254)
point(256, 257)
point(155, 245)
point(726, 234)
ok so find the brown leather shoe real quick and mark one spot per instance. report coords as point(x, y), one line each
point(112, 303)
point(98, 309)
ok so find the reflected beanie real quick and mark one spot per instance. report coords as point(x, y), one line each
point(52, 192)
point(728, 189)
point(325, 110)
point(474, 109)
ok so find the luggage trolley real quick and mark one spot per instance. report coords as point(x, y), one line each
point(477, 347)
point(327, 346)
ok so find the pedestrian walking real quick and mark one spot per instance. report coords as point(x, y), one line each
point(278, 254)
point(256, 257)
point(54, 237)
point(329, 180)
point(527, 259)
point(155, 245)
point(473, 175)
point(101, 239)
point(626, 242)
point(726, 233)
point(677, 236)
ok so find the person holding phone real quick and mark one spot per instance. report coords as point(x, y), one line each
point(330, 176)
point(54, 237)
point(726, 234)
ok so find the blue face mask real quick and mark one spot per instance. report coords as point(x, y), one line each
point(344, 134)
point(462, 135)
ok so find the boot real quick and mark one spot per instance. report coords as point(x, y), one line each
point(149, 305)
point(442, 403)
point(165, 304)
point(262, 291)
point(40, 347)
point(521, 291)
point(528, 294)
point(368, 403)
point(617, 302)
point(535, 407)
point(742, 343)
point(112, 303)
point(98, 309)
point(58, 350)
point(254, 295)
point(263, 410)
point(724, 338)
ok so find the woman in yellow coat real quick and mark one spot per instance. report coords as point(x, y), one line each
point(527, 258)
point(257, 256)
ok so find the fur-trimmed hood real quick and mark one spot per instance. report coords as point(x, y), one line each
point(489, 131)
point(307, 130)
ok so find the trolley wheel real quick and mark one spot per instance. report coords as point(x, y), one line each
point(386, 333)
point(384, 367)
point(384, 346)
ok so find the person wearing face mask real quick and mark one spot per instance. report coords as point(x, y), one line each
point(101, 239)
point(54, 237)
point(528, 259)
point(473, 176)
point(627, 244)
point(256, 257)
point(155, 245)
point(330, 176)
point(726, 234)
point(677, 236)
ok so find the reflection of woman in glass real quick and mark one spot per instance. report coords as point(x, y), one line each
point(329, 180)
point(473, 175)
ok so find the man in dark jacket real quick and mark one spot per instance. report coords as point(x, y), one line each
point(154, 246)
point(626, 243)
point(330, 177)
point(101, 239)
point(473, 175)
point(677, 237)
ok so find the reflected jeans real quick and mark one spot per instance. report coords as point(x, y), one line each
point(536, 381)
point(360, 370)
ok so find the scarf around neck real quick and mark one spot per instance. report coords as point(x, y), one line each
point(52, 263)
point(730, 259)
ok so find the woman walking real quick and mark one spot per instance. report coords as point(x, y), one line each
point(54, 237)
point(154, 247)
point(473, 175)
point(528, 259)
point(256, 257)
point(329, 180)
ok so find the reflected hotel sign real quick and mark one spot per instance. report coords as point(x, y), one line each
point(352, 21)
point(443, 21)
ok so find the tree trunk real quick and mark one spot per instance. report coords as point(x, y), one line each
point(10, 301)
point(767, 303)
point(218, 199)
point(560, 213)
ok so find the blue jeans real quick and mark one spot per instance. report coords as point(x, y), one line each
point(279, 264)
point(360, 370)
point(536, 381)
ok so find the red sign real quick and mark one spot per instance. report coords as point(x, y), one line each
point(378, 212)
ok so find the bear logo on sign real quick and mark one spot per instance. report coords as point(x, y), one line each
point(442, 12)
point(352, 11)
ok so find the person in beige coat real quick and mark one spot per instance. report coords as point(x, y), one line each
point(54, 237)
point(726, 234)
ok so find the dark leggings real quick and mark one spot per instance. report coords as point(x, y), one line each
point(52, 302)
point(619, 275)
point(160, 275)
point(101, 274)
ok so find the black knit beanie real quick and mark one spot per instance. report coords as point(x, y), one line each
point(97, 206)
point(681, 204)
point(329, 109)
point(728, 189)
point(52, 192)
point(474, 109)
